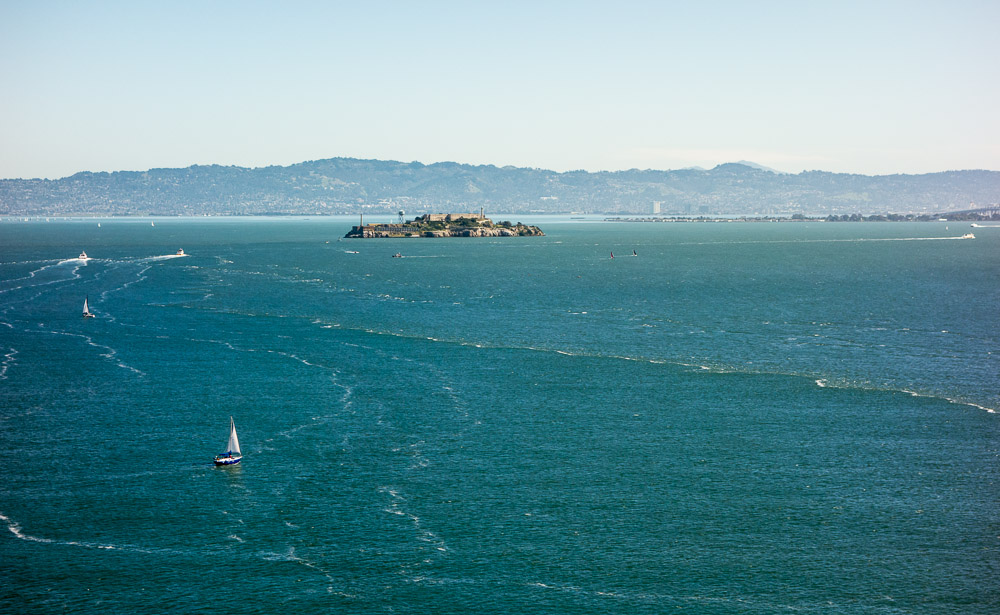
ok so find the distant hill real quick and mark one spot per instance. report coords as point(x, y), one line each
point(348, 185)
point(754, 165)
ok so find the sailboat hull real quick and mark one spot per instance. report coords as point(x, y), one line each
point(227, 461)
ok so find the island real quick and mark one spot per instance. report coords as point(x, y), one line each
point(444, 225)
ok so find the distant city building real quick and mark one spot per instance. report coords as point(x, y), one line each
point(656, 206)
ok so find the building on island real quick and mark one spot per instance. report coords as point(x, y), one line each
point(453, 217)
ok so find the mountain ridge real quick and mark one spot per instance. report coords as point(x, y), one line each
point(351, 185)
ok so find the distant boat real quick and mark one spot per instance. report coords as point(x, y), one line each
point(152, 224)
point(232, 453)
point(968, 236)
point(397, 255)
point(86, 308)
point(634, 254)
point(83, 256)
point(181, 252)
point(612, 255)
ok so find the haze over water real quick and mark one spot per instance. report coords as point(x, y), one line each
point(741, 418)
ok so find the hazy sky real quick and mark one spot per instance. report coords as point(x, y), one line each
point(867, 87)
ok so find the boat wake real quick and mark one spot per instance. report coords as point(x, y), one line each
point(139, 277)
point(659, 601)
point(8, 360)
point(15, 528)
point(662, 600)
point(714, 368)
point(110, 354)
point(290, 556)
point(805, 241)
point(957, 402)
point(423, 534)
point(73, 274)
point(165, 257)
point(834, 383)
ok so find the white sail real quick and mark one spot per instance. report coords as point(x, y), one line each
point(86, 309)
point(234, 442)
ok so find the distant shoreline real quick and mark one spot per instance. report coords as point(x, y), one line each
point(348, 185)
point(830, 218)
point(940, 217)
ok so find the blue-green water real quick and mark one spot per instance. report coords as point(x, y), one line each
point(743, 418)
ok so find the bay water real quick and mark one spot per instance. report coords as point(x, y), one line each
point(738, 418)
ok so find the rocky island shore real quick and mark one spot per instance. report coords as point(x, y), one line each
point(445, 225)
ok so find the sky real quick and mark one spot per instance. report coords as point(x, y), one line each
point(854, 87)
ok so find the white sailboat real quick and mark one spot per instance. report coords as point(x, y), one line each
point(86, 308)
point(232, 453)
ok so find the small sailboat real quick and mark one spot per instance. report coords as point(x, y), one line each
point(86, 308)
point(612, 255)
point(83, 256)
point(634, 254)
point(232, 453)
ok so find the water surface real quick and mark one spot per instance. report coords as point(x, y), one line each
point(742, 418)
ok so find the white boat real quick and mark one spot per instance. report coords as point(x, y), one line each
point(83, 256)
point(86, 308)
point(968, 236)
point(180, 252)
point(232, 453)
